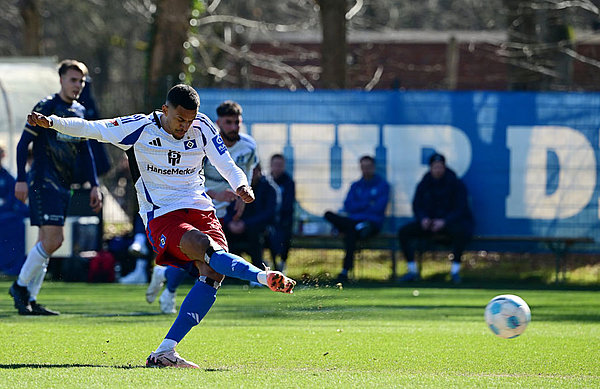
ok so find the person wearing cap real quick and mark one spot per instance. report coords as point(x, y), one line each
point(441, 209)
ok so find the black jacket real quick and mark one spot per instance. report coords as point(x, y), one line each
point(288, 199)
point(259, 213)
point(445, 198)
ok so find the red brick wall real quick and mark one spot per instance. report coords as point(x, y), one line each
point(417, 65)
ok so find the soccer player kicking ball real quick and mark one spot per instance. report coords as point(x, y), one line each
point(165, 151)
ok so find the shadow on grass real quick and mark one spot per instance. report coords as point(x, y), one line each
point(83, 314)
point(87, 314)
point(72, 365)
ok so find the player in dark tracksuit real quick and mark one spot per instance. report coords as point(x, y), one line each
point(56, 160)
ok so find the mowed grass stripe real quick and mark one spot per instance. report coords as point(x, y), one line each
point(318, 337)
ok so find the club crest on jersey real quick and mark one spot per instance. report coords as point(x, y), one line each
point(163, 241)
point(218, 142)
point(190, 144)
point(111, 123)
point(174, 157)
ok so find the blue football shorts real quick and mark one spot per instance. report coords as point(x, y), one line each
point(48, 203)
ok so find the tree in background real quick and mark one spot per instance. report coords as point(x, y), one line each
point(539, 49)
point(32, 21)
point(334, 49)
point(131, 45)
point(169, 32)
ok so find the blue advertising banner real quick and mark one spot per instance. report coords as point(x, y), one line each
point(529, 160)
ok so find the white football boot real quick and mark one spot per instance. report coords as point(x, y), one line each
point(156, 283)
point(168, 359)
point(137, 276)
point(167, 302)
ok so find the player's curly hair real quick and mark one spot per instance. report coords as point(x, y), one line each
point(183, 95)
point(229, 108)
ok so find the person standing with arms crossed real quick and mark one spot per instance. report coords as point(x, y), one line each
point(166, 150)
point(48, 186)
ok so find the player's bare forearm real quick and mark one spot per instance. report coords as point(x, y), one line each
point(96, 199)
point(21, 191)
point(227, 195)
point(246, 193)
point(37, 119)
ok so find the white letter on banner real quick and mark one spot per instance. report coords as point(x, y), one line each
point(405, 145)
point(529, 146)
point(312, 148)
point(313, 145)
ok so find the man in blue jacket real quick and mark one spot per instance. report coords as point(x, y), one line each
point(363, 213)
point(440, 208)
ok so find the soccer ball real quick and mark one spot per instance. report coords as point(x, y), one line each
point(507, 315)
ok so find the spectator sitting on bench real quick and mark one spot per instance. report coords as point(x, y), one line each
point(363, 212)
point(246, 233)
point(441, 209)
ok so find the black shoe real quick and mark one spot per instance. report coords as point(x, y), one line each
point(342, 278)
point(39, 309)
point(20, 295)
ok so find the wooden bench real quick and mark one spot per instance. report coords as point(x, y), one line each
point(559, 246)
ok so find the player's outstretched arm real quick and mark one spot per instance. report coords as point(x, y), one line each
point(37, 119)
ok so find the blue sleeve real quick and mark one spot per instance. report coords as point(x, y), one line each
point(22, 151)
point(88, 164)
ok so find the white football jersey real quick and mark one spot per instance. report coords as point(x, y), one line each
point(244, 154)
point(169, 169)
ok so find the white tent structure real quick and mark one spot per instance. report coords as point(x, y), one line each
point(23, 82)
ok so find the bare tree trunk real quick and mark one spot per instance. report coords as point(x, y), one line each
point(32, 27)
point(333, 46)
point(452, 62)
point(523, 68)
point(170, 31)
point(556, 36)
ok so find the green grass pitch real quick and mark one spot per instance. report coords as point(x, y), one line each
point(319, 337)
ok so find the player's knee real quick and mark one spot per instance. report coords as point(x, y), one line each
point(209, 272)
point(52, 243)
point(194, 244)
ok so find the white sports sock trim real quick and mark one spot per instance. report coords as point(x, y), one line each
point(166, 345)
point(262, 277)
point(36, 259)
point(140, 265)
point(35, 284)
